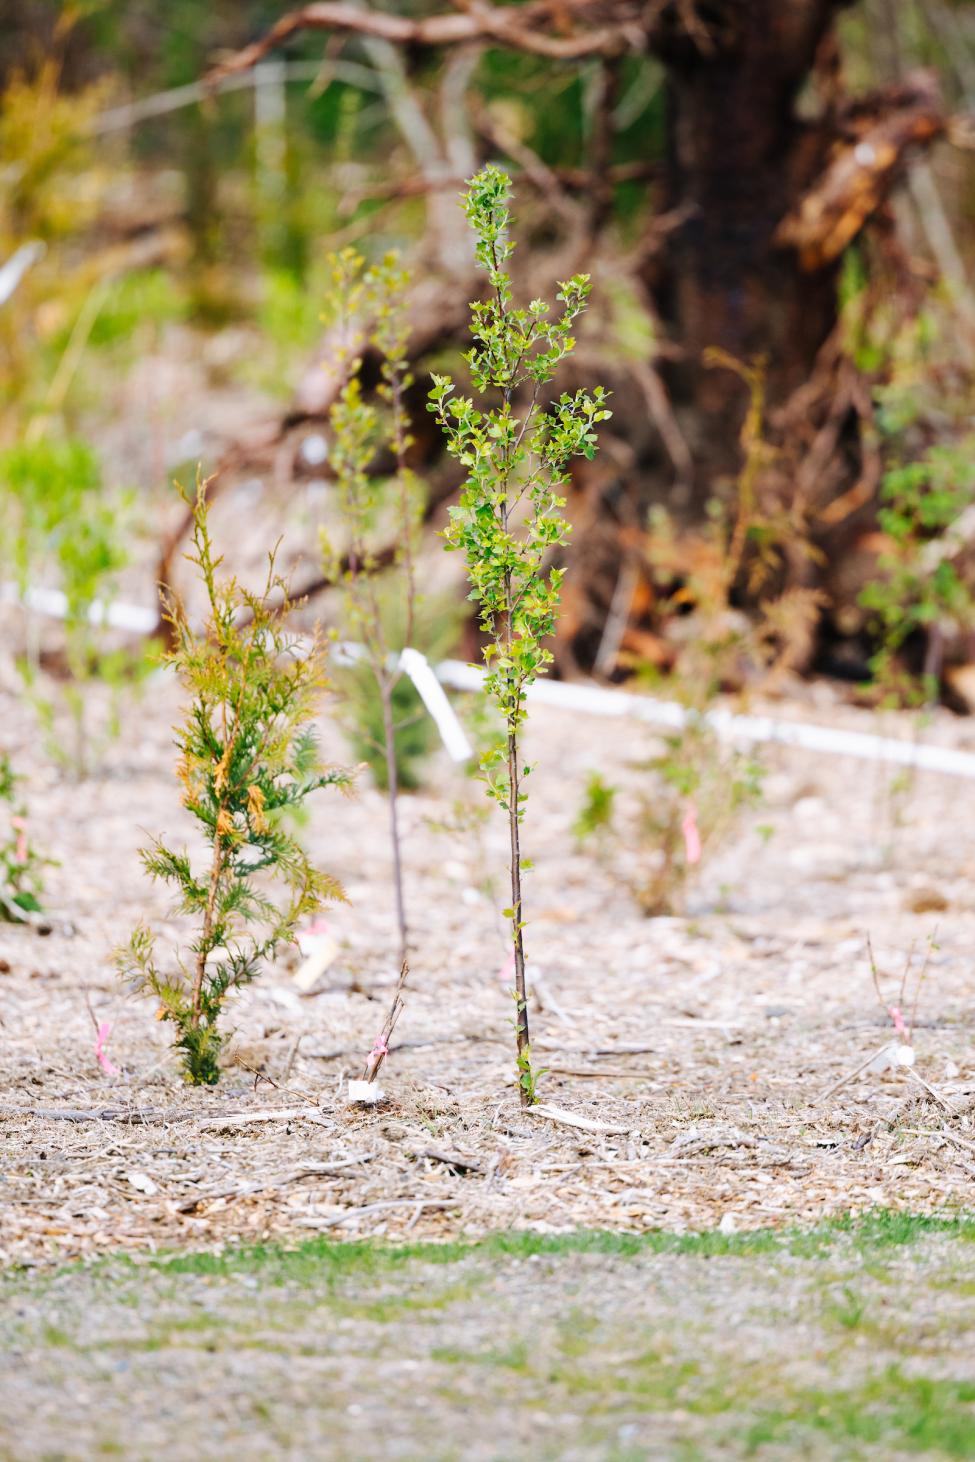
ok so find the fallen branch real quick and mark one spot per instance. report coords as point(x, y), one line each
point(274, 1114)
point(117, 1114)
point(571, 1119)
point(247, 1190)
point(932, 1092)
point(607, 1075)
point(354, 1213)
point(103, 1114)
point(850, 1076)
point(455, 1160)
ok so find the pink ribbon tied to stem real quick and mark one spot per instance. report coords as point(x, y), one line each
point(692, 835)
point(507, 971)
point(101, 1041)
point(19, 825)
point(894, 1011)
point(379, 1047)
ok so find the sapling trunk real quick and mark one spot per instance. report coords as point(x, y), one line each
point(380, 1047)
point(371, 302)
point(392, 791)
point(522, 1035)
point(206, 933)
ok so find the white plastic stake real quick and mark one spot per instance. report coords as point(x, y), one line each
point(431, 693)
point(428, 688)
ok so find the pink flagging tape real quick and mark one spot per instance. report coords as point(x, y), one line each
point(692, 837)
point(101, 1056)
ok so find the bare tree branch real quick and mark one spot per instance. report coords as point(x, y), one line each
point(533, 27)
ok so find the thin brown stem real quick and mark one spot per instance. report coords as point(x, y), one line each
point(386, 681)
point(522, 1034)
point(207, 934)
point(407, 521)
point(380, 1049)
point(392, 789)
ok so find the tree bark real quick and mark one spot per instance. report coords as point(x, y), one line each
point(739, 157)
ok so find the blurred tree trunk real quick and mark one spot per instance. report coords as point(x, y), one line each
point(739, 158)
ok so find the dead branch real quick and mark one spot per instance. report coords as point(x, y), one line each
point(533, 168)
point(351, 1214)
point(569, 179)
point(604, 96)
point(97, 1114)
point(456, 1160)
point(660, 408)
point(861, 171)
point(437, 315)
point(533, 28)
point(273, 1184)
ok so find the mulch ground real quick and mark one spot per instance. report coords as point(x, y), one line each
point(700, 1049)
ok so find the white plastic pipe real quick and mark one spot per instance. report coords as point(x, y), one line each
point(54, 604)
point(13, 271)
point(596, 700)
point(591, 700)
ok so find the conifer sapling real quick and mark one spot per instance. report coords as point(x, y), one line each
point(247, 752)
point(509, 522)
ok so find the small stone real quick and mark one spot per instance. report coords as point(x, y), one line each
point(926, 901)
point(142, 1183)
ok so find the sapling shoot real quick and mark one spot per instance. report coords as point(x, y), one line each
point(371, 302)
point(510, 521)
point(246, 754)
point(56, 518)
point(21, 882)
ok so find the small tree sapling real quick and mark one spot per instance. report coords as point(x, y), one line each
point(510, 520)
point(372, 304)
point(246, 754)
point(58, 523)
point(21, 882)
